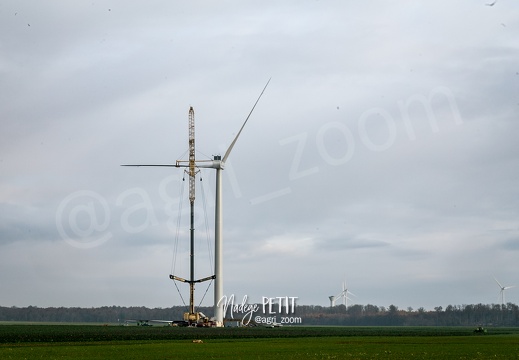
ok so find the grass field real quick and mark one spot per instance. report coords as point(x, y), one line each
point(298, 342)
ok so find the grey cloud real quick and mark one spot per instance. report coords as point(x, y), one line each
point(341, 168)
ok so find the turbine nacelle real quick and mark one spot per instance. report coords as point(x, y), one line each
point(216, 163)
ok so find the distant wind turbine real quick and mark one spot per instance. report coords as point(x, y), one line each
point(502, 291)
point(343, 294)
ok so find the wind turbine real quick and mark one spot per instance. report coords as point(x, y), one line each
point(502, 291)
point(343, 294)
point(218, 163)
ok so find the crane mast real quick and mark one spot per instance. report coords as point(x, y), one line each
point(192, 174)
point(192, 317)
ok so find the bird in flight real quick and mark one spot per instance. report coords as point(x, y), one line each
point(491, 4)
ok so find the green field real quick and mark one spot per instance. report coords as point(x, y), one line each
point(298, 342)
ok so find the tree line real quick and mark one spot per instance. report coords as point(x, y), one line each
point(372, 315)
point(354, 315)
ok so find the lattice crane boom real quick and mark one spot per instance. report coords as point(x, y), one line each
point(192, 161)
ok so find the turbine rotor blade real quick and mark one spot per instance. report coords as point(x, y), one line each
point(239, 132)
point(501, 286)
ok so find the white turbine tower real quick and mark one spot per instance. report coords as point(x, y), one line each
point(502, 291)
point(218, 163)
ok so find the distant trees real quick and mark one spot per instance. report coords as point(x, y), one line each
point(453, 315)
point(105, 314)
point(354, 315)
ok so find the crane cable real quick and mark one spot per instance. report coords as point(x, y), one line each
point(209, 249)
point(177, 233)
point(206, 290)
point(177, 236)
point(181, 297)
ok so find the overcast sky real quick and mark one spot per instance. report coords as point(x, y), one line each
point(383, 152)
